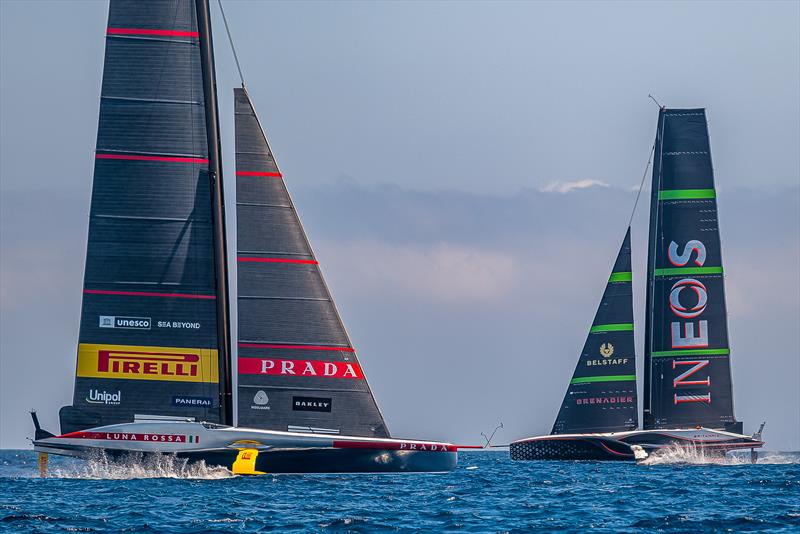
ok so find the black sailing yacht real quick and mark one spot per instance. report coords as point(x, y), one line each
point(688, 394)
point(154, 370)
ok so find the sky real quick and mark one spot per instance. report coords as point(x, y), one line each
point(465, 172)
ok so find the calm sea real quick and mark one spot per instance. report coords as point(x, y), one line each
point(486, 493)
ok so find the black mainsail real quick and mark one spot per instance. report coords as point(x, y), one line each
point(601, 397)
point(297, 368)
point(149, 341)
point(687, 370)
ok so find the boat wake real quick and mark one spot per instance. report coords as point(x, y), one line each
point(689, 454)
point(138, 465)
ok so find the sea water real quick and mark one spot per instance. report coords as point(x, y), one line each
point(679, 492)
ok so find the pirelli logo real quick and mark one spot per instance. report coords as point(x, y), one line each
point(148, 363)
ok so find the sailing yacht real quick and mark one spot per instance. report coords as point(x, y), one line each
point(688, 393)
point(154, 369)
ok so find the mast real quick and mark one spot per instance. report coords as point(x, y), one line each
point(647, 422)
point(217, 209)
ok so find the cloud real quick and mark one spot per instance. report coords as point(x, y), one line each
point(567, 187)
point(442, 272)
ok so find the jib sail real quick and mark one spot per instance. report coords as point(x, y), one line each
point(601, 396)
point(687, 370)
point(297, 369)
point(148, 341)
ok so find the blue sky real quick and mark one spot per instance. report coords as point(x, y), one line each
point(465, 172)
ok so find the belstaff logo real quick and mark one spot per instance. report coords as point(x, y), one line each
point(148, 363)
point(261, 401)
point(607, 351)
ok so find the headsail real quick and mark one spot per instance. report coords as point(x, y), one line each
point(297, 368)
point(601, 396)
point(148, 336)
point(687, 370)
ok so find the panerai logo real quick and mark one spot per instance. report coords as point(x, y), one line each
point(261, 401)
point(103, 397)
point(311, 404)
point(136, 323)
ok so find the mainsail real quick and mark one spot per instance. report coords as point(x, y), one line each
point(148, 341)
point(687, 371)
point(297, 369)
point(601, 396)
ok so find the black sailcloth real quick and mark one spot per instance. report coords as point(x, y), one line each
point(148, 332)
point(687, 369)
point(297, 369)
point(601, 396)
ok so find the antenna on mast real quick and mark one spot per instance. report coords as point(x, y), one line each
point(648, 94)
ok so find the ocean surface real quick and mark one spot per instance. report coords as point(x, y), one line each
point(486, 493)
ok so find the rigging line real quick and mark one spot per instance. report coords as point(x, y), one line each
point(641, 184)
point(230, 40)
point(656, 101)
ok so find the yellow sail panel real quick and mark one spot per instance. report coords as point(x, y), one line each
point(148, 363)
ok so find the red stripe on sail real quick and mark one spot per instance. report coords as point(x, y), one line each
point(276, 260)
point(144, 31)
point(297, 347)
point(147, 294)
point(253, 173)
point(170, 159)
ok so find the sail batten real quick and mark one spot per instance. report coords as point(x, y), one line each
point(601, 396)
point(687, 369)
point(297, 367)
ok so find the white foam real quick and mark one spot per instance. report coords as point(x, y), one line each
point(689, 454)
point(138, 465)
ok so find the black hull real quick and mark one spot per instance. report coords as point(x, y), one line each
point(628, 446)
point(322, 460)
point(589, 448)
point(337, 461)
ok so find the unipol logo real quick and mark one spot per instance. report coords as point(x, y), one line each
point(96, 396)
point(687, 301)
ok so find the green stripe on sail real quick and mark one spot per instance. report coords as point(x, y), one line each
point(680, 271)
point(690, 352)
point(611, 327)
point(612, 378)
point(620, 277)
point(686, 194)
